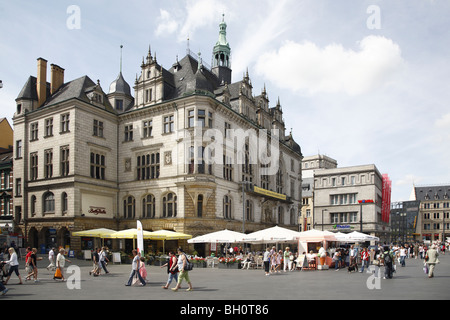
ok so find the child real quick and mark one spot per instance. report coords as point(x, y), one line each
point(142, 269)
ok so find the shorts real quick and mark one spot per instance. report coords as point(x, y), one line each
point(183, 275)
point(13, 269)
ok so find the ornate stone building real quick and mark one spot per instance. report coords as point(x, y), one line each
point(173, 155)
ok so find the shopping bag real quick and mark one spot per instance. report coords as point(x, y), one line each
point(425, 268)
point(58, 274)
point(136, 282)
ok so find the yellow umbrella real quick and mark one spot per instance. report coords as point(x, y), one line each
point(171, 235)
point(97, 233)
point(132, 234)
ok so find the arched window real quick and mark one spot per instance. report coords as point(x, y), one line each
point(170, 205)
point(49, 202)
point(129, 207)
point(227, 209)
point(148, 206)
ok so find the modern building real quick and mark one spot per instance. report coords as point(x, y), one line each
point(189, 151)
point(349, 198)
point(404, 215)
point(433, 221)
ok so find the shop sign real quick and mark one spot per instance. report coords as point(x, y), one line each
point(97, 210)
point(342, 227)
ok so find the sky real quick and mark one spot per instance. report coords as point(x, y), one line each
point(363, 82)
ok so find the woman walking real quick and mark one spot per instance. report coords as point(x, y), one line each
point(13, 265)
point(184, 274)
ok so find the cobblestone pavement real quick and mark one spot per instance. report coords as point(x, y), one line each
point(409, 283)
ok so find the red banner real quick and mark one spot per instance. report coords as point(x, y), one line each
point(386, 198)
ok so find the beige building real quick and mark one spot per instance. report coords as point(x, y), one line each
point(433, 220)
point(173, 155)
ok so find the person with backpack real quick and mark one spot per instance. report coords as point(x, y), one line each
point(183, 266)
point(388, 257)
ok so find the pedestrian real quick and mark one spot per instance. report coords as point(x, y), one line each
point(28, 265)
point(51, 259)
point(352, 254)
point(95, 263)
point(61, 262)
point(286, 255)
point(103, 259)
point(135, 270)
point(431, 259)
point(402, 253)
point(33, 265)
point(13, 265)
point(247, 262)
point(292, 263)
point(142, 269)
point(266, 260)
point(3, 289)
point(184, 274)
point(388, 257)
point(336, 259)
point(273, 262)
point(364, 259)
point(172, 269)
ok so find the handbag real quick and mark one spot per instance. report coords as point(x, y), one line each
point(58, 274)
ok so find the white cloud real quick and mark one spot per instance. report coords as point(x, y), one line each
point(306, 68)
point(166, 23)
point(185, 21)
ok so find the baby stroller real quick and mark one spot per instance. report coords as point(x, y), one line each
point(3, 271)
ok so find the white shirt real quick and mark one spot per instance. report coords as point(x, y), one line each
point(61, 259)
point(51, 254)
point(135, 262)
point(13, 260)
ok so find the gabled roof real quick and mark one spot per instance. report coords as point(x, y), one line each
point(77, 89)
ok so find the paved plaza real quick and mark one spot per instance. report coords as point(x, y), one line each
point(409, 283)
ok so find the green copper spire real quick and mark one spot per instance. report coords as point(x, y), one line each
point(222, 50)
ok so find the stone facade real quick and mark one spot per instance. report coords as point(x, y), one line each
point(92, 159)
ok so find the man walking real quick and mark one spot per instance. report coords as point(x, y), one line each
point(388, 258)
point(431, 259)
point(135, 270)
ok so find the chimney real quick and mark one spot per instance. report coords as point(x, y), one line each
point(41, 86)
point(57, 78)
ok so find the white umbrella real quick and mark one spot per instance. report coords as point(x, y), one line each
point(314, 235)
point(358, 236)
point(272, 235)
point(223, 236)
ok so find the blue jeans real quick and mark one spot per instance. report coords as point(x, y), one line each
point(402, 260)
point(172, 276)
point(133, 272)
point(364, 263)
